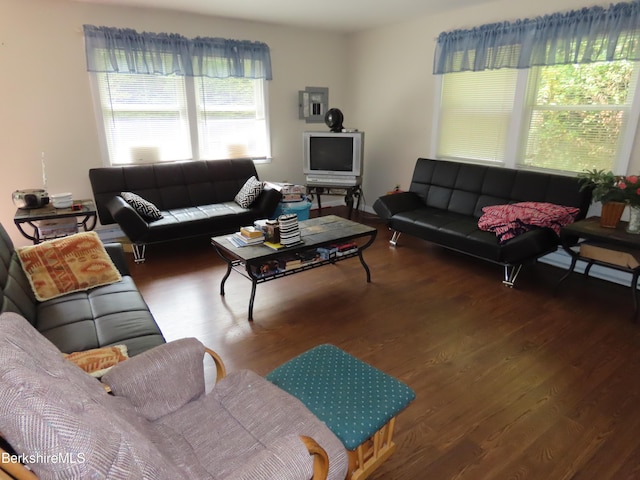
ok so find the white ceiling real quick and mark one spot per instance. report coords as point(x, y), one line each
point(339, 15)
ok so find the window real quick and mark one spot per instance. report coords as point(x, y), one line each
point(144, 117)
point(150, 118)
point(475, 114)
point(164, 97)
point(576, 115)
point(555, 92)
point(564, 117)
point(231, 116)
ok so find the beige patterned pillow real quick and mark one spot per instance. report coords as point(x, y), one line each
point(98, 361)
point(69, 264)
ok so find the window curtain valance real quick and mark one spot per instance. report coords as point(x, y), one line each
point(111, 50)
point(579, 36)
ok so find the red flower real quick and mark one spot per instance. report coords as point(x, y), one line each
point(622, 186)
point(632, 179)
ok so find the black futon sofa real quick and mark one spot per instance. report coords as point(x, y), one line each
point(445, 201)
point(102, 316)
point(195, 198)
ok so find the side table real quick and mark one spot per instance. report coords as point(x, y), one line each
point(617, 239)
point(23, 217)
point(349, 194)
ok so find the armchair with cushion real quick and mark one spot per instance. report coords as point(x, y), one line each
point(156, 423)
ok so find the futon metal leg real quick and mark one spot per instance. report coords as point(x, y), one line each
point(510, 274)
point(139, 250)
point(394, 238)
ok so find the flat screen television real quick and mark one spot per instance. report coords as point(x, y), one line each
point(333, 155)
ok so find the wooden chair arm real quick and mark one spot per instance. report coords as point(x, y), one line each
point(320, 458)
point(221, 372)
point(14, 470)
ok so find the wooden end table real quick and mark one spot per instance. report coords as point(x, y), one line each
point(589, 230)
point(86, 214)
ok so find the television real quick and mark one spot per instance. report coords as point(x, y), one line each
point(333, 158)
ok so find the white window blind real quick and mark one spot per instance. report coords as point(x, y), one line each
point(475, 114)
point(152, 118)
point(231, 117)
point(145, 117)
point(567, 118)
point(577, 114)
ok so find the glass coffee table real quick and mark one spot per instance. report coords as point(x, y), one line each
point(325, 241)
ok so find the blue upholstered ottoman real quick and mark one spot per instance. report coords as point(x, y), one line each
point(358, 402)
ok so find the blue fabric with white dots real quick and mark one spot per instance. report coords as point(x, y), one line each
point(353, 398)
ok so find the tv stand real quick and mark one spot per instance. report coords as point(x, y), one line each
point(348, 191)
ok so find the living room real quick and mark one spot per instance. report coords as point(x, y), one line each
point(48, 111)
point(393, 105)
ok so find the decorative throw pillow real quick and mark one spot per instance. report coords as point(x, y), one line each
point(98, 361)
point(145, 208)
point(69, 264)
point(249, 192)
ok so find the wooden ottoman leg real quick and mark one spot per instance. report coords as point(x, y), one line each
point(369, 455)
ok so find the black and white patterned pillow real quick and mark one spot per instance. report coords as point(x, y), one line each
point(145, 208)
point(249, 192)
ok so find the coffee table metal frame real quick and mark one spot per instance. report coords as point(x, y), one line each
point(316, 232)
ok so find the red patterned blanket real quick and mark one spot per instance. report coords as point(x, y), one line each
point(508, 221)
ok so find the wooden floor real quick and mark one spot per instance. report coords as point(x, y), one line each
point(523, 383)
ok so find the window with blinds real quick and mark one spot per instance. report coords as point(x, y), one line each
point(145, 117)
point(155, 118)
point(566, 118)
point(231, 117)
point(475, 114)
point(576, 115)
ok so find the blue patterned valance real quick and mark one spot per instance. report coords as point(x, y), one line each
point(127, 51)
point(579, 36)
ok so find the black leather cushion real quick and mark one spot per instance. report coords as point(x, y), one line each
point(16, 294)
point(109, 315)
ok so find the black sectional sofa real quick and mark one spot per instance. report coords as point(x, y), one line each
point(103, 316)
point(195, 198)
point(445, 201)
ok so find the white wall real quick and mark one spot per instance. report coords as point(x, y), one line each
point(46, 99)
point(395, 89)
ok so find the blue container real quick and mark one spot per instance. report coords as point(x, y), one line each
point(299, 208)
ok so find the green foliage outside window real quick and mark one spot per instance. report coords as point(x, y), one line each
point(577, 116)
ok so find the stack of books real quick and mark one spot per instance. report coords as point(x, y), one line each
point(289, 230)
point(247, 236)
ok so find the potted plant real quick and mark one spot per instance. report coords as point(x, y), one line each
point(605, 187)
point(630, 186)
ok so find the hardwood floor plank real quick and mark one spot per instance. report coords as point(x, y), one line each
point(534, 382)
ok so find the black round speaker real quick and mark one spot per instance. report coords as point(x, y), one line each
point(334, 118)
